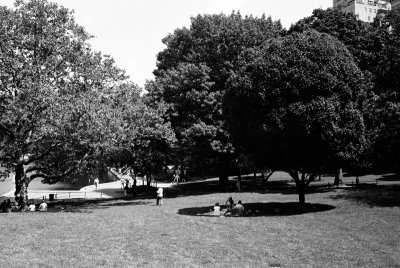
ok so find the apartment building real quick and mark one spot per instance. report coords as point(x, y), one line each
point(395, 4)
point(366, 10)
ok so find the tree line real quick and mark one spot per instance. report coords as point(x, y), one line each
point(231, 94)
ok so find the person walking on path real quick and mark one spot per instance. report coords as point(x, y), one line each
point(126, 189)
point(122, 183)
point(96, 182)
point(160, 196)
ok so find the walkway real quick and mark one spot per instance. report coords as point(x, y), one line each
point(104, 191)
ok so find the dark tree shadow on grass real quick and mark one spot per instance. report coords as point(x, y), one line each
point(248, 185)
point(263, 209)
point(372, 195)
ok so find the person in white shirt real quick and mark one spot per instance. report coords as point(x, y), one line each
point(96, 182)
point(32, 207)
point(160, 196)
point(43, 206)
point(217, 209)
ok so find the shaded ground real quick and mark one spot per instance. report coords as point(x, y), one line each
point(263, 209)
point(372, 195)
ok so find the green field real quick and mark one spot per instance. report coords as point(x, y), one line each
point(340, 228)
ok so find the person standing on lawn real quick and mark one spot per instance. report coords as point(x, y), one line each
point(96, 182)
point(160, 196)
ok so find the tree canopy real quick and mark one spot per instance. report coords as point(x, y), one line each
point(297, 105)
point(53, 119)
point(191, 75)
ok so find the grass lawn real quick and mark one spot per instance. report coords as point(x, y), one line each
point(342, 228)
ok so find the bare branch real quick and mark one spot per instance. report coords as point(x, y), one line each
point(7, 131)
point(48, 151)
point(50, 178)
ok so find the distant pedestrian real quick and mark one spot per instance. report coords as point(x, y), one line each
point(160, 196)
point(126, 189)
point(122, 183)
point(176, 178)
point(96, 182)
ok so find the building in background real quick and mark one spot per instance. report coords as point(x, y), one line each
point(395, 4)
point(366, 10)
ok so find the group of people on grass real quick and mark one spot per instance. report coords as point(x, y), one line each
point(6, 206)
point(128, 186)
point(232, 209)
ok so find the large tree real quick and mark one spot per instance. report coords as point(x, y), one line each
point(52, 119)
point(297, 104)
point(191, 75)
point(387, 86)
point(144, 138)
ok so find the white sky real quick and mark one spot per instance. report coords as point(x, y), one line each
point(131, 30)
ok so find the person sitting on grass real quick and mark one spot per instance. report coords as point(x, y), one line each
point(32, 207)
point(239, 208)
point(217, 209)
point(43, 206)
point(230, 204)
point(9, 207)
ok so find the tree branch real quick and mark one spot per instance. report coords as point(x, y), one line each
point(51, 178)
point(48, 151)
point(7, 131)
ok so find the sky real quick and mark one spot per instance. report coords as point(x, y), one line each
point(131, 31)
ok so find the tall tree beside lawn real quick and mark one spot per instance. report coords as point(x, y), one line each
point(297, 104)
point(387, 86)
point(191, 75)
point(366, 42)
point(53, 116)
point(144, 139)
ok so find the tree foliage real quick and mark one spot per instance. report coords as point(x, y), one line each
point(144, 138)
point(297, 104)
point(52, 118)
point(191, 75)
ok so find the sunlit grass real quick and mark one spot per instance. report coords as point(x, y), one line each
point(136, 233)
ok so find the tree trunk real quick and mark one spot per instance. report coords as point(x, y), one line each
point(148, 180)
point(223, 171)
point(239, 183)
point(266, 178)
point(300, 185)
point(338, 177)
point(21, 186)
point(302, 194)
